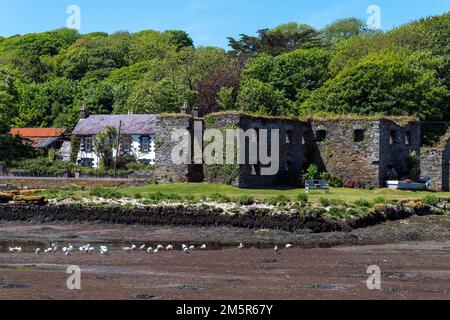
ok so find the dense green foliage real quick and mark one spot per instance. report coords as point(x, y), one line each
point(292, 69)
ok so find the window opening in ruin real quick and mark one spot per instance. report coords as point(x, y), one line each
point(359, 135)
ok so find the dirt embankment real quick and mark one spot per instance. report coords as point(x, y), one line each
point(201, 216)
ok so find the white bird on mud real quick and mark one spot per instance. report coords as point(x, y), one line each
point(54, 247)
point(15, 250)
point(183, 246)
point(192, 248)
point(130, 249)
point(103, 250)
point(156, 250)
point(90, 249)
point(288, 246)
point(241, 246)
point(276, 249)
point(150, 250)
point(186, 250)
point(38, 251)
point(160, 247)
point(203, 247)
point(48, 250)
point(142, 248)
point(169, 247)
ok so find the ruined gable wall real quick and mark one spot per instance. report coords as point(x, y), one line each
point(339, 153)
point(434, 163)
point(397, 143)
point(166, 171)
point(292, 151)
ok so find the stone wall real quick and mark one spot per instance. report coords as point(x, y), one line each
point(292, 149)
point(339, 153)
point(165, 170)
point(397, 144)
point(435, 164)
point(366, 149)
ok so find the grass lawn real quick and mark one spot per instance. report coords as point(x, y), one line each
point(202, 189)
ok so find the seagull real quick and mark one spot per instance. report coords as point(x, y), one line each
point(241, 246)
point(169, 247)
point(288, 246)
point(91, 249)
point(276, 249)
point(156, 250)
point(142, 248)
point(133, 247)
point(186, 250)
point(127, 249)
point(15, 250)
point(38, 251)
point(48, 250)
point(203, 247)
point(183, 246)
point(160, 247)
point(192, 248)
point(150, 250)
point(103, 250)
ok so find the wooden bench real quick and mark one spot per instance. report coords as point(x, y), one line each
point(316, 185)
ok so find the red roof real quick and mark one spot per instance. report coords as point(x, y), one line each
point(38, 132)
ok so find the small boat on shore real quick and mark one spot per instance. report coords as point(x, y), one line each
point(423, 184)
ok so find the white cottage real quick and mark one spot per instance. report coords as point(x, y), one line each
point(137, 135)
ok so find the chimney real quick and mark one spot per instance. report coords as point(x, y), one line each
point(185, 108)
point(84, 112)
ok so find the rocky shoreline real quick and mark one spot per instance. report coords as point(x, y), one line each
point(207, 216)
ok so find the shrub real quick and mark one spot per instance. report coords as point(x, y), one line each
point(355, 184)
point(381, 200)
point(158, 197)
point(337, 213)
point(363, 203)
point(217, 197)
point(137, 196)
point(280, 200)
point(303, 198)
point(334, 180)
point(312, 173)
point(246, 200)
point(431, 200)
point(331, 202)
point(325, 202)
point(105, 193)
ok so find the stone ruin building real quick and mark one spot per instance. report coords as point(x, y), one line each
point(365, 148)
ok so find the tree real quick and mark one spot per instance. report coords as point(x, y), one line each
point(343, 29)
point(46, 104)
point(95, 56)
point(105, 143)
point(179, 39)
point(14, 148)
point(291, 75)
point(284, 38)
point(389, 83)
point(158, 97)
point(262, 98)
point(430, 34)
point(218, 90)
point(7, 99)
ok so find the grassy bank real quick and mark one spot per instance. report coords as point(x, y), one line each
point(202, 190)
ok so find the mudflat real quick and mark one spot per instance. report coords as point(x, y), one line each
point(413, 256)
